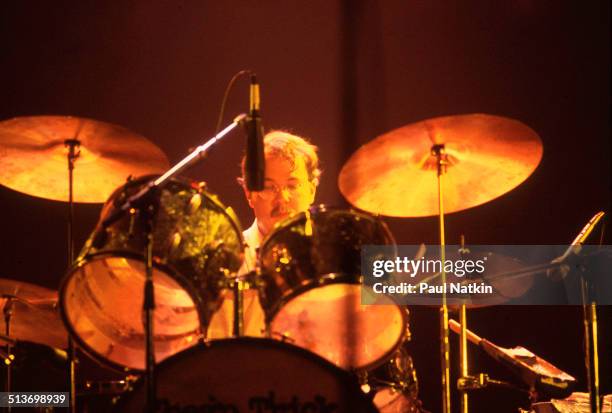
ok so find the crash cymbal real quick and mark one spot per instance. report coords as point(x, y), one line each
point(33, 157)
point(396, 174)
point(34, 315)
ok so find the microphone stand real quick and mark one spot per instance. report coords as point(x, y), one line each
point(142, 201)
point(589, 312)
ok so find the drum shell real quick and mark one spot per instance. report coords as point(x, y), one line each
point(232, 374)
point(182, 243)
point(312, 288)
point(197, 244)
point(322, 246)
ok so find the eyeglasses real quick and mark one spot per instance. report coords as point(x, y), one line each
point(271, 191)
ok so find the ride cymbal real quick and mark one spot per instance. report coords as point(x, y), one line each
point(396, 173)
point(33, 157)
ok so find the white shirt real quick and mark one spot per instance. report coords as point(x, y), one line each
point(252, 240)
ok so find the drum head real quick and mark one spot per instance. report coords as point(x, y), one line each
point(311, 267)
point(102, 303)
point(251, 375)
point(331, 321)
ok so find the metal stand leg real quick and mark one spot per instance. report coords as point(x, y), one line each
point(238, 286)
point(589, 309)
point(464, 357)
point(8, 311)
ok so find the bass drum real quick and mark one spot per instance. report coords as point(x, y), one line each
point(312, 286)
point(250, 375)
point(197, 244)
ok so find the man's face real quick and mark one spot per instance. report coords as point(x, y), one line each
point(287, 191)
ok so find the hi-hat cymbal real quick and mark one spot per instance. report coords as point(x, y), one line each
point(33, 157)
point(33, 314)
point(396, 173)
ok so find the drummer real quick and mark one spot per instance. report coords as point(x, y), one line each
point(291, 179)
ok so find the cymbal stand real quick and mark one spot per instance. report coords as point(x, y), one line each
point(463, 356)
point(73, 154)
point(439, 152)
point(8, 359)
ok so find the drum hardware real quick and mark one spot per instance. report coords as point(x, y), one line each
point(393, 386)
point(589, 312)
point(497, 152)
point(8, 357)
point(112, 387)
point(439, 152)
point(542, 378)
point(469, 383)
point(283, 337)
point(101, 396)
point(73, 154)
point(239, 284)
point(238, 288)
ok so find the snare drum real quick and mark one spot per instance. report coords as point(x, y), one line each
point(251, 375)
point(197, 243)
point(311, 294)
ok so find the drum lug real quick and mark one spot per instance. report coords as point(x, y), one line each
point(176, 242)
point(194, 203)
point(362, 378)
point(130, 233)
point(284, 337)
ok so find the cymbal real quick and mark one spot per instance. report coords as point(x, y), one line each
point(33, 157)
point(504, 288)
point(396, 175)
point(34, 315)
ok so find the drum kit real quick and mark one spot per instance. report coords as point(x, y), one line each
point(324, 350)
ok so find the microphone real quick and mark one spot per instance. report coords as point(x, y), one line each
point(255, 162)
point(574, 248)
